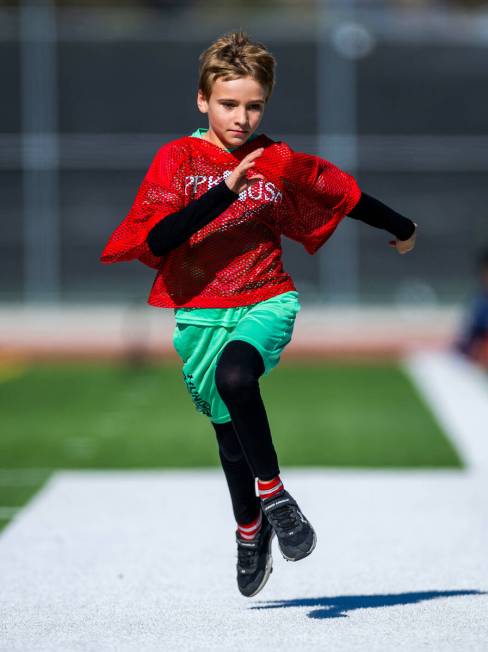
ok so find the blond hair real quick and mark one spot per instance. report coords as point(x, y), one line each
point(234, 55)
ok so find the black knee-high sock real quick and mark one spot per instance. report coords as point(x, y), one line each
point(236, 377)
point(240, 478)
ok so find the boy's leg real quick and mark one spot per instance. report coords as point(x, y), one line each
point(254, 532)
point(240, 478)
point(236, 377)
point(237, 380)
point(254, 348)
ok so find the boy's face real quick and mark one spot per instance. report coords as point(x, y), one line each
point(235, 109)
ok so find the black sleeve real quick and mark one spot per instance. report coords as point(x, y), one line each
point(176, 228)
point(375, 213)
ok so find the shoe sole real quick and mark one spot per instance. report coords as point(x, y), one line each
point(314, 543)
point(267, 571)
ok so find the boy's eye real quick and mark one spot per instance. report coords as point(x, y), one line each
point(253, 106)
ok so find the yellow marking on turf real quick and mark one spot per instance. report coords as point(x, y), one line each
point(11, 370)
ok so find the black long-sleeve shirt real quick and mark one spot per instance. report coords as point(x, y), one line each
point(176, 228)
point(375, 213)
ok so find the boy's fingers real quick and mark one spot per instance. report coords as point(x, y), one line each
point(248, 161)
point(245, 166)
point(253, 155)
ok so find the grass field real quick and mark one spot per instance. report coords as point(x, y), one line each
point(101, 415)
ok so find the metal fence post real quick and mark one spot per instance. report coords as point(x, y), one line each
point(41, 239)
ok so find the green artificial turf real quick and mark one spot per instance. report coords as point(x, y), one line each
point(102, 415)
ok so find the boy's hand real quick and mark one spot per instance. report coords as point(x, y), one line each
point(403, 246)
point(237, 180)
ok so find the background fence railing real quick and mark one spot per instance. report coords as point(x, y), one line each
point(395, 95)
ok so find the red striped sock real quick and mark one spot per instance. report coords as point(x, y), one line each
point(249, 530)
point(269, 488)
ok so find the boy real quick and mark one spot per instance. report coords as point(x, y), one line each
point(209, 216)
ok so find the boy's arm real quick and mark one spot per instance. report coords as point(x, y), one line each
point(317, 196)
point(160, 193)
point(375, 213)
point(178, 227)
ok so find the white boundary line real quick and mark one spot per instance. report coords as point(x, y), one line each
point(457, 393)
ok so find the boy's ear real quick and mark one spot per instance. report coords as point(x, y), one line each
point(201, 102)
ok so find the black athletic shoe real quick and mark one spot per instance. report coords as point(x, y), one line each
point(296, 537)
point(254, 560)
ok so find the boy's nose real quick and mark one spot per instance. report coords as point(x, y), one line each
point(241, 119)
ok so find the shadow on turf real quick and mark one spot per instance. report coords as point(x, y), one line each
point(338, 606)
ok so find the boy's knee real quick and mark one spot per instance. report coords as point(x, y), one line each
point(234, 382)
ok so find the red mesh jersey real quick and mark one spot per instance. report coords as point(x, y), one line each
point(235, 260)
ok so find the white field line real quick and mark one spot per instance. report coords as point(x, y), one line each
point(457, 393)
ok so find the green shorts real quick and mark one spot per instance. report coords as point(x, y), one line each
point(267, 325)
